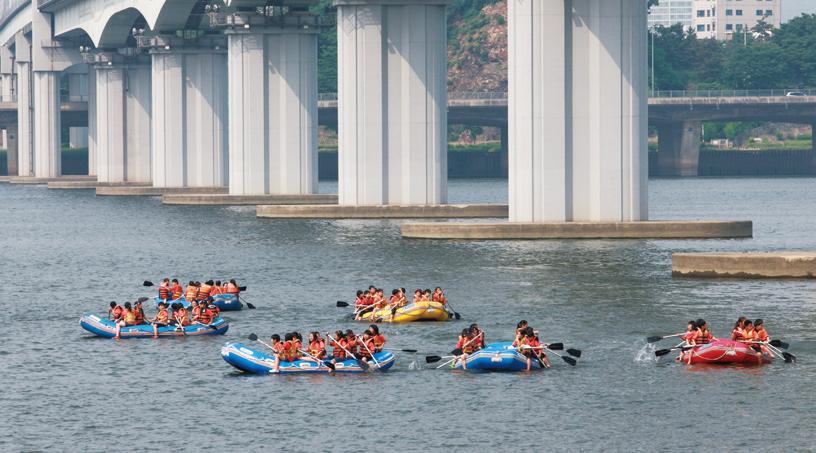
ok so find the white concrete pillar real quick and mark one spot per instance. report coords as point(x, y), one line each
point(47, 143)
point(123, 123)
point(273, 111)
point(578, 148)
point(392, 89)
point(25, 142)
point(190, 118)
point(92, 122)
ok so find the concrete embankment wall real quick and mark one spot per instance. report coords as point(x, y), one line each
point(482, 164)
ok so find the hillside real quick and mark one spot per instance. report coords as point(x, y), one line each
point(477, 46)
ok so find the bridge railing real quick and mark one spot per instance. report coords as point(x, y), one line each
point(664, 94)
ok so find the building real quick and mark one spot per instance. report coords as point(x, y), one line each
point(670, 12)
point(725, 19)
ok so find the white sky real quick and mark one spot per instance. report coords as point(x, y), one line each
point(793, 8)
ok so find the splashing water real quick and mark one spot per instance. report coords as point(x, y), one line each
point(646, 353)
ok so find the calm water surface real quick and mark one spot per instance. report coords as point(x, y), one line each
point(64, 253)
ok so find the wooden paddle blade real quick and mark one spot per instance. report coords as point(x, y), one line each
point(341, 304)
point(456, 352)
point(252, 337)
point(653, 339)
point(432, 358)
point(569, 360)
point(250, 306)
point(555, 346)
point(147, 283)
point(574, 352)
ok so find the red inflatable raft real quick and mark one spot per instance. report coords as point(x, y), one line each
point(722, 351)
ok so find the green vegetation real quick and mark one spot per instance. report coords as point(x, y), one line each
point(783, 59)
point(490, 147)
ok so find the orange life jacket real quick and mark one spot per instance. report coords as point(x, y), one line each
point(176, 291)
point(116, 312)
point(163, 316)
point(196, 311)
point(164, 292)
point(139, 314)
point(203, 292)
point(206, 316)
point(378, 341)
point(761, 335)
point(338, 351)
point(216, 290)
point(232, 289)
point(703, 337)
point(181, 314)
point(317, 348)
point(290, 352)
point(190, 293)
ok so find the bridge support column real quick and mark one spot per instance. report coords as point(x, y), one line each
point(578, 148)
point(392, 88)
point(123, 123)
point(678, 148)
point(25, 148)
point(190, 118)
point(11, 149)
point(47, 143)
point(92, 122)
point(273, 111)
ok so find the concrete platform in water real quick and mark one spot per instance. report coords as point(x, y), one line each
point(150, 191)
point(784, 264)
point(5, 178)
point(76, 185)
point(579, 230)
point(382, 212)
point(44, 181)
point(241, 200)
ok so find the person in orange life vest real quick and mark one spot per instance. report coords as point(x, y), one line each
point(377, 338)
point(191, 292)
point(162, 319)
point(479, 335)
point(298, 341)
point(466, 343)
point(520, 329)
point(181, 316)
point(439, 296)
point(317, 348)
point(339, 346)
point(206, 314)
point(277, 350)
point(164, 290)
point(128, 319)
point(232, 288)
point(115, 312)
point(526, 344)
point(737, 331)
point(393, 301)
point(290, 349)
point(760, 334)
point(540, 351)
point(417, 296)
point(352, 345)
point(217, 289)
point(138, 312)
point(704, 336)
point(360, 301)
point(211, 305)
point(195, 309)
point(204, 290)
point(366, 342)
point(748, 331)
point(427, 295)
point(689, 339)
point(176, 291)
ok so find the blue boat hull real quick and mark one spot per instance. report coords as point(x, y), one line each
point(224, 302)
point(106, 328)
point(496, 357)
point(251, 360)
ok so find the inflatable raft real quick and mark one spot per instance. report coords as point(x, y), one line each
point(722, 351)
point(224, 302)
point(251, 360)
point(415, 312)
point(104, 327)
point(497, 357)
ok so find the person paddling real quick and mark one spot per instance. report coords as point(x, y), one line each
point(164, 290)
point(760, 334)
point(277, 351)
point(181, 316)
point(217, 289)
point(316, 348)
point(115, 312)
point(162, 319)
point(737, 331)
point(191, 292)
point(377, 338)
point(176, 291)
point(339, 343)
point(138, 313)
point(689, 338)
point(195, 310)
point(232, 288)
point(206, 315)
point(439, 296)
point(704, 336)
point(128, 319)
point(466, 344)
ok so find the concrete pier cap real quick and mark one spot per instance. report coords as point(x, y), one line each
point(782, 264)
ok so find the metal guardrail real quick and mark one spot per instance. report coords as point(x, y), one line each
point(792, 92)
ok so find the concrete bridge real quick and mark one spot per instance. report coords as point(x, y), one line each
point(223, 94)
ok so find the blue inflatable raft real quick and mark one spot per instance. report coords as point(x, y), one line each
point(104, 327)
point(497, 357)
point(251, 360)
point(224, 302)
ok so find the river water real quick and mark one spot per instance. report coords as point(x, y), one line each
point(67, 252)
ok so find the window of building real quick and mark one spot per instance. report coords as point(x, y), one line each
point(759, 13)
point(769, 12)
point(729, 27)
point(729, 12)
point(739, 12)
point(700, 13)
point(701, 27)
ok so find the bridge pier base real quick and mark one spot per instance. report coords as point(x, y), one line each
point(578, 148)
point(189, 118)
point(678, 152)
point(123, 123)
point(47, 143)
point(273, 111)
point(11, 149)
point(392, 88)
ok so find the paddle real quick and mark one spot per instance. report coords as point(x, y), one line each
point(658, 338)
point(248, 304)
point(435, 358)
point(779, 344)
point(319, 362)
point(456, 353)
point(412, 351)
point(363, 364)
point(147, 283)
point(208, 325)
point(242, 288)
point(789, 358)
point(538, 359)
point(569, 360)
point(342, 304)
point(455, 313)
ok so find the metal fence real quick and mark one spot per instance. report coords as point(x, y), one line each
point(502, 96)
